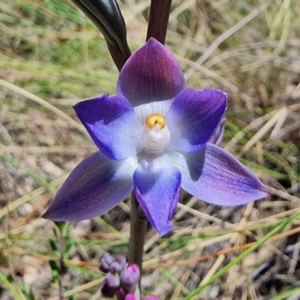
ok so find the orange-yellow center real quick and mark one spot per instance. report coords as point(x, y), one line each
point(155, 119)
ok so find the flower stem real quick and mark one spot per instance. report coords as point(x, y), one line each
point(158, 20)
point(137, 233)
point(118, 57)
point(157, 28)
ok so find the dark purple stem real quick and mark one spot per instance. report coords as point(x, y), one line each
point(157, 28)
point(118, 57)
point(137, 233)
point(159, 19)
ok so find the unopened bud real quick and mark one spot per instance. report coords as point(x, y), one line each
point(130, 277)
point(130, 297)
point(122, 261)
point(105, 262)
point(111, 285)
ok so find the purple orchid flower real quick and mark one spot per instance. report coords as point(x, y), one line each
point(153, 138)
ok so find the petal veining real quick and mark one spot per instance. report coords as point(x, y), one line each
point(157, 187)
point(216, 177)
point(158, 107)
point(151, 74)
point(112, 124)
point(94, 187)
point(193, 118)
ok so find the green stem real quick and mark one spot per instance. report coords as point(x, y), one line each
point(61, 265)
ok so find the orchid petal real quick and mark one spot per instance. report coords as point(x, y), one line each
point(94, 187)
point(111, 122)
point(216, 177)
point(150, 74)
point(193, 117)
point(157, 186)
point(217, 137)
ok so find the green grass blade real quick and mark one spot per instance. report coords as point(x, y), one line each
point(238, 259)
point(10, 287)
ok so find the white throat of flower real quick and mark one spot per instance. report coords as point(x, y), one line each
point(144, 110)
point(155, 135)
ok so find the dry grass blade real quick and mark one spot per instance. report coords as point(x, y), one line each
point(83, 287)
point(277, 119)
point(44, 103)
point(49, 50)
point(29, 197)
point(216, 43)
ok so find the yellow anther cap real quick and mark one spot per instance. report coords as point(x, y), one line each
point(155, 119)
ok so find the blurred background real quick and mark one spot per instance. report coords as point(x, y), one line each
point(52, 56)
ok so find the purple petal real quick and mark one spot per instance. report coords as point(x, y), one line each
point(150, 74)
point(94, 187)
point(157, 186)
point(112, 124)
point(193, 117)
point(217, 137)
point(215, 176)
point(130, 276)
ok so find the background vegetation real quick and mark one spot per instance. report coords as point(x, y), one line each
point(51, 56)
